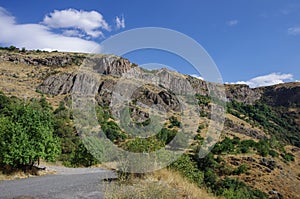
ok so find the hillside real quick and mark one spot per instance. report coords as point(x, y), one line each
point(257, 154)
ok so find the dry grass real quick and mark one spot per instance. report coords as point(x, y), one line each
point(12, 174)
point(162, 184)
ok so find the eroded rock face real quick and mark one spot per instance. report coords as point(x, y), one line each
point(58, 84)
point(108, 65)
point(159, 99)
point(242, 93)
point(169, 82)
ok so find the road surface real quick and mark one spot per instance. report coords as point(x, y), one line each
point(81, 183)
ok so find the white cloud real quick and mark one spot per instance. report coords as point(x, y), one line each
point(267, 80)
point(233, 22)
point(294, 30)
point(73, 33)
point(120, 22)
point(197, 76)
point(89, 22)
point(39, 36)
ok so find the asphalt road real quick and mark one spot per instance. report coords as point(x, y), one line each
point(66, 184)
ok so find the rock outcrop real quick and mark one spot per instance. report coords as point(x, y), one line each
point(53, 60)
point(242, 93)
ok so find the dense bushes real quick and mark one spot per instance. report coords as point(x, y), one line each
point(273, 121)
point(206, 172)
point(74, 152)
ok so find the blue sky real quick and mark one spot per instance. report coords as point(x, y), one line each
point(255, 42)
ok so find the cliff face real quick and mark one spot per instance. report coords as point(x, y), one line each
point(242, 93)
point(61, 83)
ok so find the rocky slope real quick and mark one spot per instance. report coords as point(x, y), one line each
point(55, 75)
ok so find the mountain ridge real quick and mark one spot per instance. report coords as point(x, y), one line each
point(258, 114)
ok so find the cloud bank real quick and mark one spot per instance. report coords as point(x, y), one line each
point(66, 30)
point(267, 80)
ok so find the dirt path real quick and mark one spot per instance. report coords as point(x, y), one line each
point(68, 183)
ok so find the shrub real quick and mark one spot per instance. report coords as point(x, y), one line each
point(166, 135)
point(174, 122)
point(288, 157)
point(188, 168)
point(241, 169)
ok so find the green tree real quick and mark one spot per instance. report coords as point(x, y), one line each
point(26, 134)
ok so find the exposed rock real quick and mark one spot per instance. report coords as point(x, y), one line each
point(60, 60)
point(161, 99)
point(242, 93)
point(58, 84)
point(282, 95)
point(237, 128)
point(249, 159)
point(269, 163)
point(105, 91)
point(108, 65)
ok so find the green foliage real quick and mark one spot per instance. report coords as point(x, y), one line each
point(74, 153)
point(234, 189)
point(113, 131)
point(288, 157)
point(208, 162)
point(203, 100)
point(174, 122)
point(273, 153)
point(12, 48)
point(81, 157)
point(273, 121)
point(225, 146)
point(26, 133)
point(143, 145)
point(189, 169)
point(166, 135)
point(23, 50)
point(241, 169)
point(108, 126)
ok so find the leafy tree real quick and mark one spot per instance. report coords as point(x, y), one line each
point(26, 134)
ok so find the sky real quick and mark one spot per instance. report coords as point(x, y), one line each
point(253, 42)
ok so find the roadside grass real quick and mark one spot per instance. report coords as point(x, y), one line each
point(162, 184)
point(9, 173)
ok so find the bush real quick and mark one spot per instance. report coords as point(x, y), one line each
point(143, 145)
point(166, 135)
point(273, 153)
point(82, 157)
point(263, 148)
point(174, 122)
point(241, 169)
point(288, 157)
point(188, 168)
